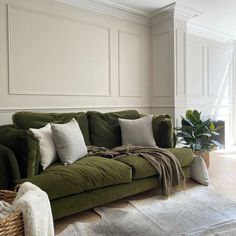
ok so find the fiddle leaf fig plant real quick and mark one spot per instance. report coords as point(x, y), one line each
point(196, 133)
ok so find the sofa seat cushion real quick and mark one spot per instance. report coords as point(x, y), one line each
point(184, 155)
point(83, 175)
point(141, 168)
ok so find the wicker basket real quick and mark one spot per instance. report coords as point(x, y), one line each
point(205, 156)
point(13, 224)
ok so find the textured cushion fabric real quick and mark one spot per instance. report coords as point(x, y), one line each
point(69, 141)
point(137, 132)
point(34, 157)
point(9, 171)
point(104, 128)
point(141, 168)
point(163, 131)
point(16, 140)
point(46, 145)
point(184, 155)
point(186, 171)
point(198, 171)
point(26, 120)
point(87, 200)
point(85, 174)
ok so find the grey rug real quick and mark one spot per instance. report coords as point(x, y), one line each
point(198, 211)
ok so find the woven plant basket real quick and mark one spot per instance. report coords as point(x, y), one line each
point(205, 156)
point(11, 225)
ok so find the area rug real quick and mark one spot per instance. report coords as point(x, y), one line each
point(197, 211)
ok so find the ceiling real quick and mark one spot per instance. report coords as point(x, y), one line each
point(217, 15)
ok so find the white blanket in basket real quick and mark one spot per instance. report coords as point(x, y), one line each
point(36, 210)
point(5, 209)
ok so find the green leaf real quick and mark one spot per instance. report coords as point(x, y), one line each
point(186, 122)
point(217, 144)
point(211, 126)
point(189, 115)
point(215, 133)
point(184, 134)
point(197, 116)
point(188, 129)
point(204, 124)
point(204, 134)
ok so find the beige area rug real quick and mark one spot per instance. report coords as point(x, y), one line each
point(197, 211)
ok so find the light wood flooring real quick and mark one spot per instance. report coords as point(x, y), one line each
point(222, 174)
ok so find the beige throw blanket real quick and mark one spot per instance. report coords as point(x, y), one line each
point(167, 165)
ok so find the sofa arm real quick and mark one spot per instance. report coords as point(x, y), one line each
point(184, 155)
point(163, 131)
point(8, 168)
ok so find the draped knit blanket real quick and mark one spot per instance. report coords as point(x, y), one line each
point(167, 165)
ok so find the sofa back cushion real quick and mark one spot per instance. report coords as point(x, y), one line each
point(163, 131)
point(104, 128)
point(26, 120)
point(16, 140)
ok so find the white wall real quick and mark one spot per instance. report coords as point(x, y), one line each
point(162, 68)
point(209, 72)
point(55, 57)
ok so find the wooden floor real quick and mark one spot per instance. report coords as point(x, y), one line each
point(222, 174)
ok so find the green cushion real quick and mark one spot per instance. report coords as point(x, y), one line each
point(184, 155)
point(85, 174)
point(186, 171)
point(163, 131)
point(34, 167)
point(104, 128)
point(141, 168)
point(8, 168)
point(16, 140)
point(86, 200)
point(26, 120)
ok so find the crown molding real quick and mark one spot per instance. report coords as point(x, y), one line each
point(163, 14)
point(112, 9)
point(184, 13)
point(209, 33)
point(164, 10)
point(128, 13)
point(173, 10)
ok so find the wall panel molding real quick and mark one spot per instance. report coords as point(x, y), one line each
point(226, 72)
point(162, 65)
point(178, 68)
point(67, 108)
point(129, 64)
point(202, 63)
point(101, 31)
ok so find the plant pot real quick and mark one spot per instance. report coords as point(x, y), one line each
point(205, 156)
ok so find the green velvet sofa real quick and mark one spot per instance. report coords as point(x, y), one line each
point(92, 180)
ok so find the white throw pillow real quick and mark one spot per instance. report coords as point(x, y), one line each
point(198, 171)
point(47, 146)
point(137, 132)
point(69, 141)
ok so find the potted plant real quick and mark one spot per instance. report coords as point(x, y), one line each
point(198, 134)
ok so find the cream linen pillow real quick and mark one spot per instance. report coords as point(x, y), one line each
point(137, 132)
point(47, 146)
point(198, 171)
point(69, 141)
